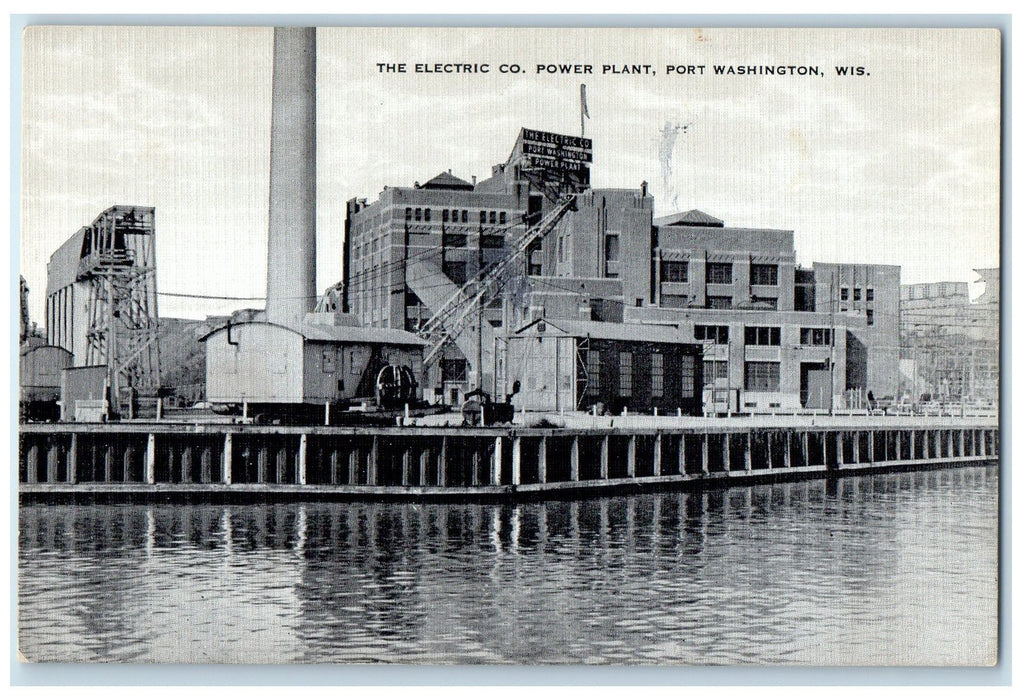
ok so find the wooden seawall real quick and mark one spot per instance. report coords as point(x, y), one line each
point(131, 461)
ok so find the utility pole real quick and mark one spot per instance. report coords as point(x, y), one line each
point(833, 340)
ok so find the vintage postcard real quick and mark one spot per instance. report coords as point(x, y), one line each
point(509, 345)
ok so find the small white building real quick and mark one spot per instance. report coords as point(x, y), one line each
point(327, 362)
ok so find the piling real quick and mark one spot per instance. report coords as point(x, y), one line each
point(435, 461)
point(228, 458)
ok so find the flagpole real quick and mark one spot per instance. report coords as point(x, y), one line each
point(583, 108)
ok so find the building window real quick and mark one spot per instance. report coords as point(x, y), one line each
point(714, 370)
point(714, 334)
point(482, 217)
point(455, 240)
point(425, 215)
point(764, 274)
point(764, 303)
point(674, 271)
point(844, 294)
point(762, 376)
point(718, 273)
point(688, 376)
point(857, 294)
point(454, 370)
point(418, 214)
point(626, 373)
point(593, 370)
point(611, 248)
point(536, 261)
point(408, 213)
point(869, 317)
point(869, 294)
point(493, 217)
point(656, 373)
point(815, 336)
point(673, 301)
point(503, 217)
point(718, 302)
point(329, 361)
point(762, 335)
point(446, 215)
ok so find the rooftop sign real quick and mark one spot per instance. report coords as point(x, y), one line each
point(557, 159)
point(557, 146)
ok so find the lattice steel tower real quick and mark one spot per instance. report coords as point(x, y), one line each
point(118, 270)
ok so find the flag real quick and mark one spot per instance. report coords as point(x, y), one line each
point(585, 105)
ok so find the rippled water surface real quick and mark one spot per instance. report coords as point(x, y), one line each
point(892, 569)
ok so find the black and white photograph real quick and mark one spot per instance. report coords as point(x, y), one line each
point(475, 345)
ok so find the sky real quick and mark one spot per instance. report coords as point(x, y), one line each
point(898, 166)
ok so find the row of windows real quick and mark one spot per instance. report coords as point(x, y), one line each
point(460, 240)
point(856, 294)
point(454, 215)
point(759, 376)
point(625, 368)
point(815, 336)
point(713, 334)
point(762, 335)
point(717, 273)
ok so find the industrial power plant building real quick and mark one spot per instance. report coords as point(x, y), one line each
point(771, 335)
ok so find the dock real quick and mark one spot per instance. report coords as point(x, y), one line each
point(230, 462)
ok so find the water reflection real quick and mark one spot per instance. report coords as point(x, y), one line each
point(862, 570)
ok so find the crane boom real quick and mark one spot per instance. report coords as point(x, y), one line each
point(450, 319)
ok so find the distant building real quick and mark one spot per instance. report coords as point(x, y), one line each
point(774, 336)
point(951, 345)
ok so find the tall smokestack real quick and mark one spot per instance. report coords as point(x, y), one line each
point(291, 260)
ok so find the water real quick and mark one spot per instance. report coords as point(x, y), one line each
point(878, 570)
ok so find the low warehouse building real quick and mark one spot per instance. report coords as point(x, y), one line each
point(39, 374)
point(261, 363)
point(568, 365)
